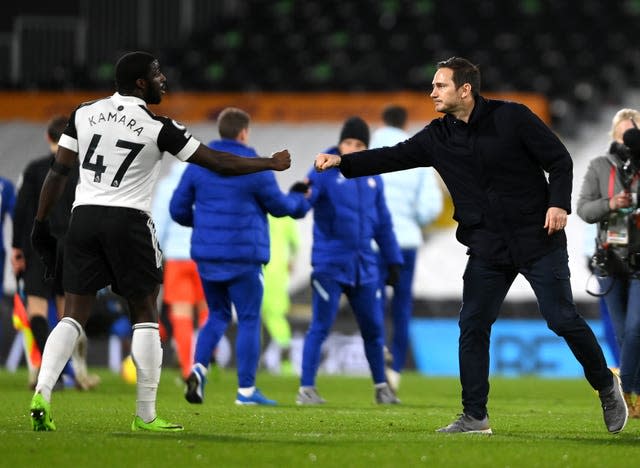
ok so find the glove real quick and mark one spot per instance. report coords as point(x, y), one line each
point(299, 187)
point(45, 246)
point(393, 275)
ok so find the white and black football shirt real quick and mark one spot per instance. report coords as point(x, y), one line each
point(120, 144)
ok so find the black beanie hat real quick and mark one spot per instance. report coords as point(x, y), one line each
point(355, 127)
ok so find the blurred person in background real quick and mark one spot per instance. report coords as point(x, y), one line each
point(348, 216)
point(182, 289)
point(608, 196)
point(414, 199)
point(493, 155)
point(276, 303)
point(7, 202)
point(590, 238)
point(230, 245)
point(43, 288)
point(111, 239)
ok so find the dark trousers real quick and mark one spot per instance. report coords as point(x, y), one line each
point(485, 287)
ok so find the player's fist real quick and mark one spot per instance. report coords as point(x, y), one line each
point(281, 160)
point(326, 161)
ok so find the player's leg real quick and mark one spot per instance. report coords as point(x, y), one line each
point(57, 353)
point(146, 352)
point(402, 307)
point(246, 294)
point(135, 260)
point(325, 300)
point(366, 303)
point(180, 297)
point(208, 337)
point(275, 306)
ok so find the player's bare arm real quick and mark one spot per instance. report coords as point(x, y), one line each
point(230, 164)
point(327, 161)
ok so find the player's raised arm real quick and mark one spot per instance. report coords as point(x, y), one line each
point(230, 164)
point(327, 161)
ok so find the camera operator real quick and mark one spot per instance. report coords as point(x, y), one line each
point(609, 197)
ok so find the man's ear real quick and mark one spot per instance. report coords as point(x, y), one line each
point(141, 83)
point(466, 90)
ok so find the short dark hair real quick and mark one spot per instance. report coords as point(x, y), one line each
point(395, 116)
point(56, 126)
point(463, 72)
point(130, 67)
point(232, 121)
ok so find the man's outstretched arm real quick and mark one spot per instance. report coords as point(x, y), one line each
point(230, 164)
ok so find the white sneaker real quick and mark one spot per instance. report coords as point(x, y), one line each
point(309, 396)
point(393, 378)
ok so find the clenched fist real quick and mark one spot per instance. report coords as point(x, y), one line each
point(281, 160)
point(327, 161)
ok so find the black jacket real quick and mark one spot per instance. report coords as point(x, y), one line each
point(29, 197)
point(494, 168)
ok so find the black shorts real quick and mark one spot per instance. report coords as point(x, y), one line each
point(33, 276)
point(111, 246)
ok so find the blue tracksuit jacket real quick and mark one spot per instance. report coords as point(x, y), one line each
point(348, 214)
point(229, 214)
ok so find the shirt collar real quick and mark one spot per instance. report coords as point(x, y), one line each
point(134, 100)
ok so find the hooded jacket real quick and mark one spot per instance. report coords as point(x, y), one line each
point(229, 214)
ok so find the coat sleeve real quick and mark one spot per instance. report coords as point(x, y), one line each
point(550, 153)
point(276, 202)
point(183, 198)
point(593, 205)
point(414, 152)
point(384, 235)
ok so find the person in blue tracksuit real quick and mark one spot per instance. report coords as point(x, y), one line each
point(348, 215)
point(230, 245)
point(7, 204)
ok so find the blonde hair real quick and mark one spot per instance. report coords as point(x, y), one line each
point(621, 115)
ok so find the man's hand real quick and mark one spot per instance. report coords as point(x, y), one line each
point(393, 275)
point(327, 161)
point(556, 220)
point(45, 246)
point(620, 200)
point(281, 160)
point(18, 263)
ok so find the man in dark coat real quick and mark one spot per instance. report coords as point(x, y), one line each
point(493, 155)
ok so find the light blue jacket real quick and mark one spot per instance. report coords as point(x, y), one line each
point(174, 239)
point(413, 196)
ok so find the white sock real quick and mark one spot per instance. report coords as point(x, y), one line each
point(246, 391)
point(380, 385)
point(146, 352)
point(79, 357)
point(57, 352)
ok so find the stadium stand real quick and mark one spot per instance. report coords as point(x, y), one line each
point(577, 57)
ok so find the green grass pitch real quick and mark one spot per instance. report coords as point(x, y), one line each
point(536, 423)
